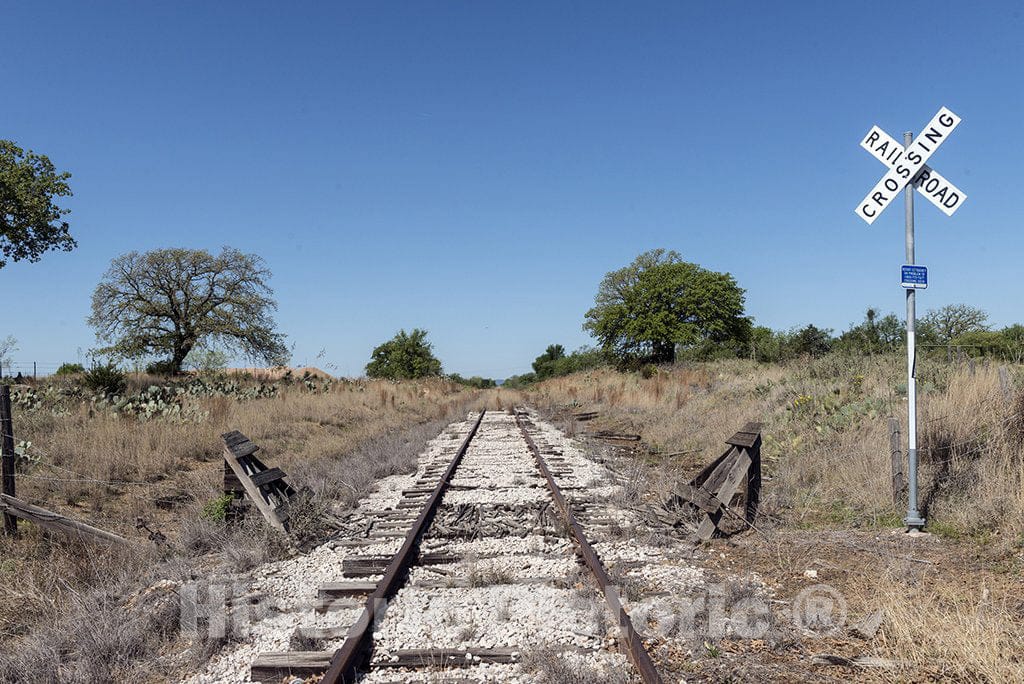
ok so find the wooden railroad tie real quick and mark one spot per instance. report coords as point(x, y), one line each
point(245, 474)
point(273, 667)
point(712, 491)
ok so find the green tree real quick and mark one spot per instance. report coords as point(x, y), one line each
point(812, 341)
point(519, 381)
point(770, 346)
point(874, 335)
point(544, 365)
point(954, 320)
point(580, 360)
point(642, 311)
point(30, 220)
point(984, 343)
point(404, 357)
point(167, 302)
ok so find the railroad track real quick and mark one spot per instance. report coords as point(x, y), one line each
point(493, 573)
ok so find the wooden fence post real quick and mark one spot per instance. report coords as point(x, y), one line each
point(1005, 383)
point(7, 456)
point(896, 454)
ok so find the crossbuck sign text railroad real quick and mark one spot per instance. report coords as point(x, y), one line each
point(907, 165)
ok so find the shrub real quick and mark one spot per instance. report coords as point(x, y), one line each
point(70, 369)
point(106, 378)
point(217, 509)
point(162, 367)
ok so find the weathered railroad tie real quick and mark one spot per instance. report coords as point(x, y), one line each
point(355, 651)
point(632, 643)
point(494, 516)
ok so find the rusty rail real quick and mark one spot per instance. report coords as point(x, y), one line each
point(356, 648)
point(633, 643)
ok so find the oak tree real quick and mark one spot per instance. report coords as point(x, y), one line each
point(30, 220)
point(954, 320)
point(167, 302)
point(643, 310)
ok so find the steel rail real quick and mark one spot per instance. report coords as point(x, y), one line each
point(357, 645)
point(634, 645)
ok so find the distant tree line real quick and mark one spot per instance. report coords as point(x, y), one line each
point(475, 381)
point(956, 328)
point(554, 362)
point(661, 309)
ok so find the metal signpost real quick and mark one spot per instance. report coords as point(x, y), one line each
point(908, 172)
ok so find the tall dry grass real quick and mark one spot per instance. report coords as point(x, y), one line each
point(953, 614)
point(826, 435)
point(71, 609)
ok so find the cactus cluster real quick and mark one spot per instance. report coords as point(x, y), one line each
point(171, 400)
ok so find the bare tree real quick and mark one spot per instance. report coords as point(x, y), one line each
point(954, 320)
point(8, 346)
point(167, 301)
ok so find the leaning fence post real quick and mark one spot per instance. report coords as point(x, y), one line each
point(7, 456)
point(896, 454)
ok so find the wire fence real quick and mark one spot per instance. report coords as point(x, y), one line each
point(28, 369)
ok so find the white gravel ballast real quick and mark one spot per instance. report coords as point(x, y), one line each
point(504, 578)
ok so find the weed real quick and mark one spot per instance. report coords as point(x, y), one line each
point(216, 510)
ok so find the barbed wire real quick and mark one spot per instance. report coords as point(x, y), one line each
point(80, 477)
point(85, 479)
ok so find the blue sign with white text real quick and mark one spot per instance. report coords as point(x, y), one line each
point(914, 277)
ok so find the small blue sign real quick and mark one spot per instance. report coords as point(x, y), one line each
point(914, 277)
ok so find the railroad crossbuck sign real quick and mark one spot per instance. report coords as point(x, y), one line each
point(908, 166)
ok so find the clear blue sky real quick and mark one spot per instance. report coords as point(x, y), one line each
point(474, 168)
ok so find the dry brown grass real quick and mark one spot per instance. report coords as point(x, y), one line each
point(952, 613)
point(64, 597)
point(961, 633)
point(826, 437)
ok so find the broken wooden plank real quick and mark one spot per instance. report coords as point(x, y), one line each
point(747, 436)
point(55, 521)
point(244, 449)
point(258, 498)
point(698, 496)
point(266, 487)
point(268, 476)
point(704, 474)
point(234, 437)
point(724, 494)
point(718, 475)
